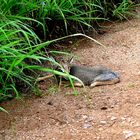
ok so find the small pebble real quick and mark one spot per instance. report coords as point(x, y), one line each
point(137, 125)
point(113, 118)
point(103, 122)
point(86, 125)
point(137, 105)
point(74, 48)
point(84, 117)
point(128, 134)
point(89, 119)
point(139, 73)
point(70, 42)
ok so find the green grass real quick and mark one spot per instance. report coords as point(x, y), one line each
point(124, 9)
point(16, 42)
point(18, 46)
point(26, 27)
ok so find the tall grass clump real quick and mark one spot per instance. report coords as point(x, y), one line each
point(63, 17)
point(125, 9)
point(20, 58)
point(16, 40)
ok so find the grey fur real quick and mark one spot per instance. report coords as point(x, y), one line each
point(95, 74)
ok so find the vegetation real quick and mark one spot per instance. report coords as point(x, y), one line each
point(26, 26)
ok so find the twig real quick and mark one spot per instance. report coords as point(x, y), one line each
point(44, 77)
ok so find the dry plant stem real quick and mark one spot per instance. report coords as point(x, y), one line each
point(44, 77)
point(60, 83)
point(94, 40)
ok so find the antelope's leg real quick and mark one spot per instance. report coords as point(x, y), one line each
point(105, 79)
point(77, 84)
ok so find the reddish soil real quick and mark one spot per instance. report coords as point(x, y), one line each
point(103, 113)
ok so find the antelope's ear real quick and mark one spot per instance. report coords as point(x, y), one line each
point(70, 61)
point(66, 67)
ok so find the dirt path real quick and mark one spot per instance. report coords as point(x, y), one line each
point(102, 113)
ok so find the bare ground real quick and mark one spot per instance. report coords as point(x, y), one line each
point(102, 113)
